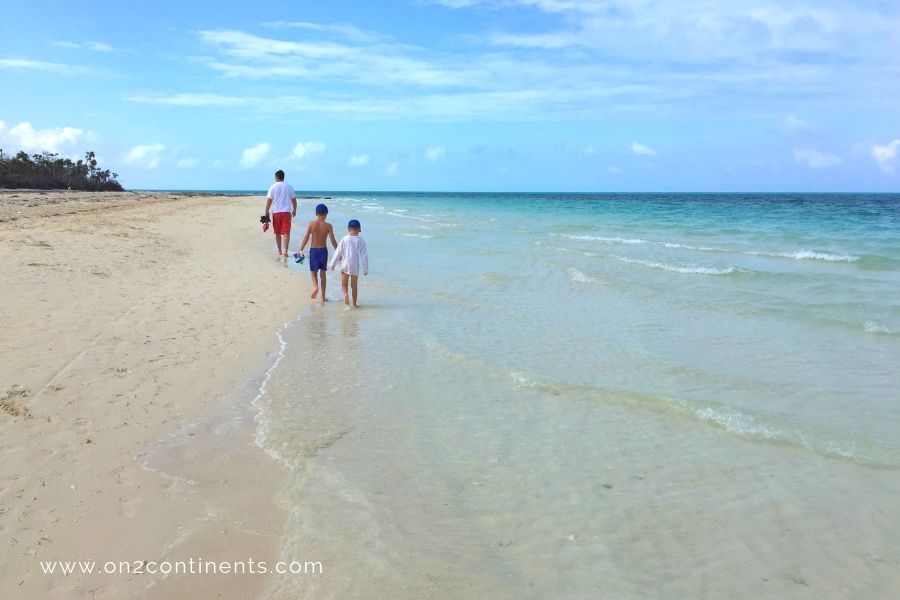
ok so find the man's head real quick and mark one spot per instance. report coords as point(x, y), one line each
point(321, 210)
point(354, 227)
point(279, 175)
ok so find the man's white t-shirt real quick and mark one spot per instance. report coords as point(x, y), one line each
point(281, 194)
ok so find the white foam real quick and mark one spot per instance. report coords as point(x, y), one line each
point(874, 327)
point(424, 236)
point(522, 380)
point(812, 255)
point(581, 277)
point(797, 255)
point(689, 270)
point(262, 424)
point(607, 240)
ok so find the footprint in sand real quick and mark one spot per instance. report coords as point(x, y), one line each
point(12, 403)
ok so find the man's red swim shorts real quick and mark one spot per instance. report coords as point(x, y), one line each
point(281, 222)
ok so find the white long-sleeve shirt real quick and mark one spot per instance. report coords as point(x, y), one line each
point(352, 254)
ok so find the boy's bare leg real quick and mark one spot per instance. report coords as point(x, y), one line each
point(344, 278)
point(323, 283)
point(354, 279)
point(315, 281)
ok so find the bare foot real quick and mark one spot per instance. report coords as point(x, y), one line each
point(324, 299)
point(355, 305)
point(315, 293)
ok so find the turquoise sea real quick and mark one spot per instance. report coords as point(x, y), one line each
point(597, 395)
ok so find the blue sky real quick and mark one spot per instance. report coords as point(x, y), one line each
point(517, 95)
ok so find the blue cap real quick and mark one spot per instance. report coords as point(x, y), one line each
point(321, 209)
point(353, 224)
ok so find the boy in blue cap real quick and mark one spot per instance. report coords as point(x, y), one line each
point(319, 230)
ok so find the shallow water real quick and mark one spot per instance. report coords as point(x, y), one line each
point(573, 396)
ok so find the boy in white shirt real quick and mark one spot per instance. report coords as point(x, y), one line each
point(354, 257)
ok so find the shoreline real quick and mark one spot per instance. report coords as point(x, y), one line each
point(125, 325)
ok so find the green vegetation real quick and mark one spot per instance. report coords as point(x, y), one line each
point(50, 172)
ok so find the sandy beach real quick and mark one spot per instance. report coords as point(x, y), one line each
point(124, 315)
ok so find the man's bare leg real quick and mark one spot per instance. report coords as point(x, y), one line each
point(287, 244)
point(344, 278)
point(323, 282)
point(278, 242)
point(354, 279)
point(315, 281)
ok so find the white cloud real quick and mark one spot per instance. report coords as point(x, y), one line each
point(304, 149)
point(624, 58)
point(794, 124)
point(348, 31)
point(358, 160)
point(187, 163)
point(885, 155)
point(189, 100)
point(24, 137)
point(32, 65)
point(147, 156)
point(815, 159)
point(95, 46)
point(392, 169)
point(99, 46)
point(27, 64)
point(252, 155)
point(435, 154)
point(642, 150)
point(588, 149)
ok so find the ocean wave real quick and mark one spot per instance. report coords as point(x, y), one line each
point(424, 236)
point(581, 277)
point(687, 270)
point(744, 424)
point(750, 425)
point(875, 327)
point(262, 423)
point(796, 255)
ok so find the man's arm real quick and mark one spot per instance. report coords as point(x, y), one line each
point(331, 233)
point(305, 238)
point(268, 204)
point(294, 202)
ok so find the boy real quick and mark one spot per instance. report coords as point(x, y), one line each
point(281, 195)
point(354, 257)
point(319, 230)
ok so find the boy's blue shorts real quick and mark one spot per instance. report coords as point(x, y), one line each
point(318, 259)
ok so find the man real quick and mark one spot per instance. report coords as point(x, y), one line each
point(281, 196)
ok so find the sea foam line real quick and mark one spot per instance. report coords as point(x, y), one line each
point(757, 427)
point(797, 255)
point(582, 277)
point(692, 270)
point(873, 327)
point(262, 425)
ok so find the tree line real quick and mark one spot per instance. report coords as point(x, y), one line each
point(48, 171)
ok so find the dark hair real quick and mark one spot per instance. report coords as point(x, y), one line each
point(279, 175)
